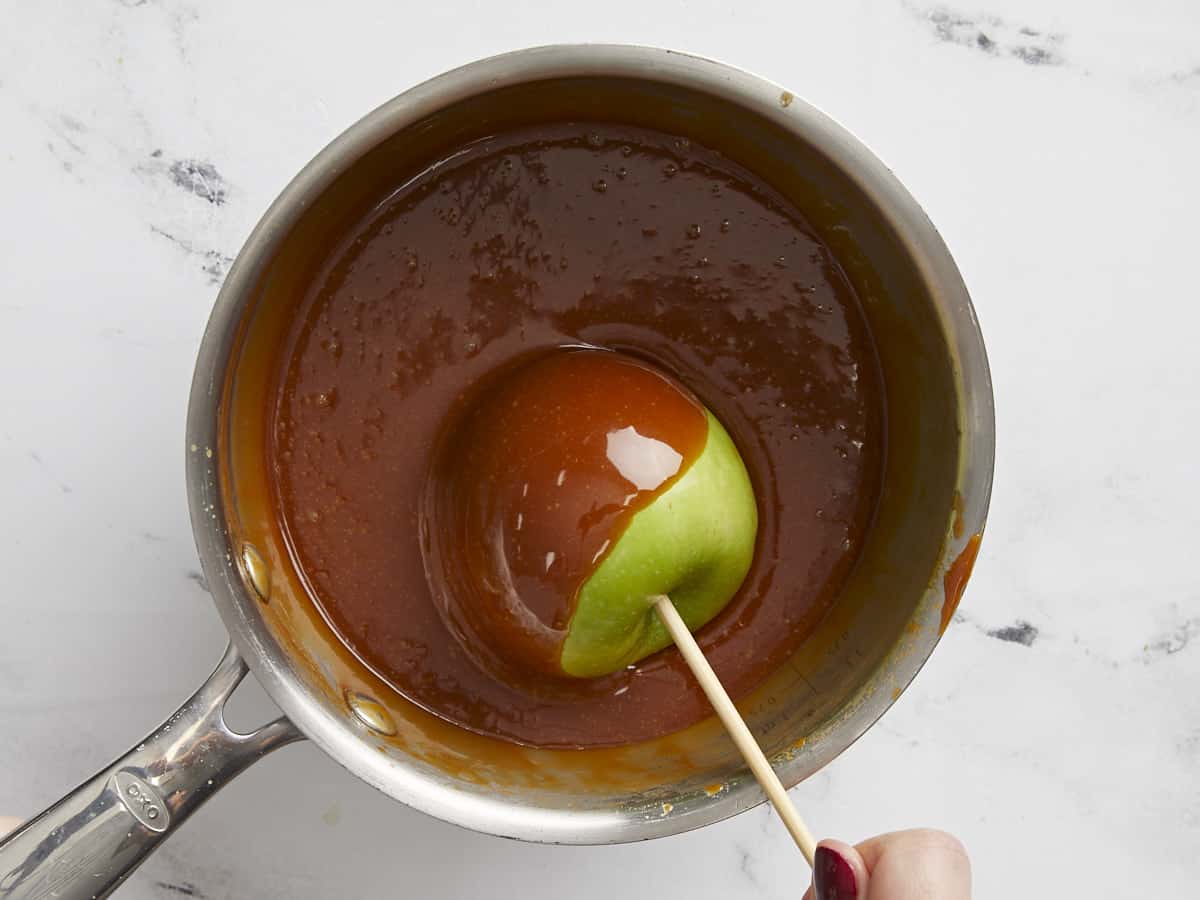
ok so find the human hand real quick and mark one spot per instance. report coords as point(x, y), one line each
point(7, 824)
point(905, 865)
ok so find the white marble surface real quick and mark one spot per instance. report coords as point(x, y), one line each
point(139, 141)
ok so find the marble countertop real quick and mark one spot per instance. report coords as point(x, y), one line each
point(1055, 144)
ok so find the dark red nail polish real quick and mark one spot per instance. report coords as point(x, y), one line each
point(833, 876)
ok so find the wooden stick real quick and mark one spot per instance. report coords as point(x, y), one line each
point(735, 725)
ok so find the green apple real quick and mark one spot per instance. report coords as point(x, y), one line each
point(694, 542)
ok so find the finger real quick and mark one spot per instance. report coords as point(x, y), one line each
point(7, 824)
point(839, 872)
point(922, 864)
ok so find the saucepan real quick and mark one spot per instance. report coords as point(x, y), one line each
point(884, 625)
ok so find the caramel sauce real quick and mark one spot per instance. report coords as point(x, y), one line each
point(954, 582)
point(508, 249)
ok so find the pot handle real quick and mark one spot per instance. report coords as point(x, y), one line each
point(88, 842)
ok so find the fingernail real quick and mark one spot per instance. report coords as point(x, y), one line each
point(833, 876)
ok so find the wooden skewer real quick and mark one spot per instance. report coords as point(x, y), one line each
point(735, 725)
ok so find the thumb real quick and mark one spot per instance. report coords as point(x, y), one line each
point(839, 873)
point(906, 865)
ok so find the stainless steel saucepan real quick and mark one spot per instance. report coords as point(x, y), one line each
point(880, 631)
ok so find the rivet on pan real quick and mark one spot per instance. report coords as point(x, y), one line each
point(370, 713)
point(257, 572)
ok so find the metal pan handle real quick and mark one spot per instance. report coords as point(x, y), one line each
point(89, 842)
